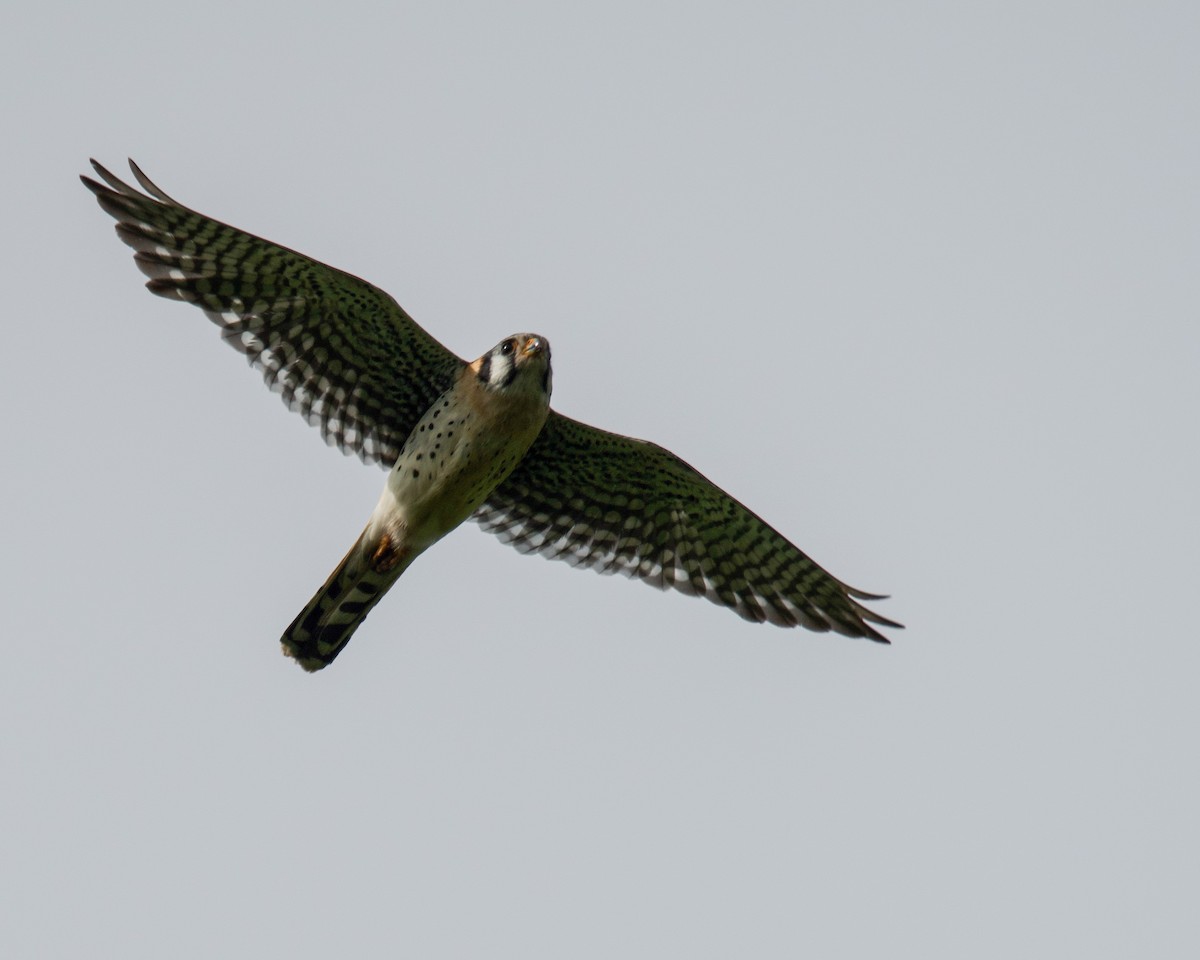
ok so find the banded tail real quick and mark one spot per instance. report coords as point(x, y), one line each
point(329, 620)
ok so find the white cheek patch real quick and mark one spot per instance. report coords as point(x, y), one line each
point(501, 369)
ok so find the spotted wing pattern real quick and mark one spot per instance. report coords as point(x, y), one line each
point(340, 351)
point(617, 505)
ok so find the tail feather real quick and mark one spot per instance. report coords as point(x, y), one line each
point(327, 623)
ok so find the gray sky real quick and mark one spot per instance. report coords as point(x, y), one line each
point(918, 283)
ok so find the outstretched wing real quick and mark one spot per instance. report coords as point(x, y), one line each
point(340, 351)
point(619, 505)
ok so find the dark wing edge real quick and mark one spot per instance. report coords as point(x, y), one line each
point(614, 504)
point(340, 351)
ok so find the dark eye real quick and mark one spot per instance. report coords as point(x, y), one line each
point(507, 347)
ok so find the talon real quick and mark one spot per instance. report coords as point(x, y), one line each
point(386, 555)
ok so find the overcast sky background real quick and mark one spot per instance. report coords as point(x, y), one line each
point(918, 283)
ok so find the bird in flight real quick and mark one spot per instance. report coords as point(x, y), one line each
point(462, 440)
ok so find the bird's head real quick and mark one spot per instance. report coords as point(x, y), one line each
point(517, 364)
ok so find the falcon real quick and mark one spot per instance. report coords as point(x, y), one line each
point(462, 440)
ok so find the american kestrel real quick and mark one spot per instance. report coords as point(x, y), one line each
point(461, 440)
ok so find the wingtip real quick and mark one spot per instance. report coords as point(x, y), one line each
point(99, 171)
point(111, 182)
point(147, 184)
point(869, 617)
